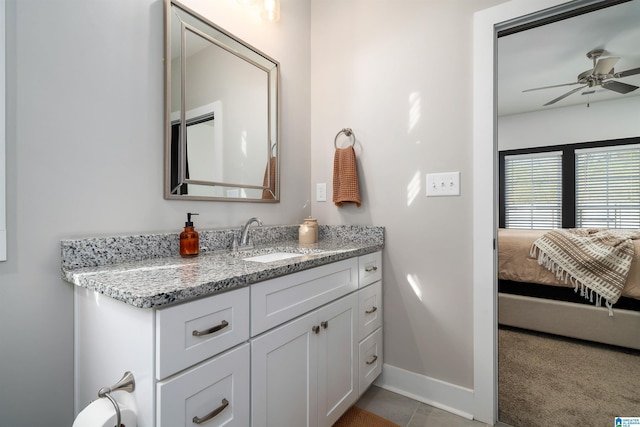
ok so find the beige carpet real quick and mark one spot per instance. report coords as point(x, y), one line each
point(545, 380)
point(356, 417)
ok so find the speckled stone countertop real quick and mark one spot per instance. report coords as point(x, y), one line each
point(146, 271)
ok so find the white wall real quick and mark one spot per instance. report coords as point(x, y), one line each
point(399, 73)
point(84, 158)
point(3, 222)
point(568, 125)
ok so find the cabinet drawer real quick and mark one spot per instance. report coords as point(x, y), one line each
point(276, 301)
point(369, 309)
point(218, 389)
point(369, 268)
point(189, 333)
point(370, 356)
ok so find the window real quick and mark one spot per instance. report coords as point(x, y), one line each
point(533, 190)
point(591, 184)
point(608, 187)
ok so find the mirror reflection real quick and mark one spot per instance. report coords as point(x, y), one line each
point(222, 118)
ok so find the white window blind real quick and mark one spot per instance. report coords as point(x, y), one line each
point(608, 187)
point(533, 190)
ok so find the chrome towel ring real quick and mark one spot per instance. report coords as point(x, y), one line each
point(348, 132)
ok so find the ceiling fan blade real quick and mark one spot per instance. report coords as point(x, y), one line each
point(553, 101)
point(619, 86)
point(549, 87)
point(605, 65)
point(630, 72)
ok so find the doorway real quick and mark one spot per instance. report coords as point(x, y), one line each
point(486, 25)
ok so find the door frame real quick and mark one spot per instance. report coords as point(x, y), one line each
point(485, 197)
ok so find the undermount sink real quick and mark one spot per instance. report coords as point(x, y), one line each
point(276, 256)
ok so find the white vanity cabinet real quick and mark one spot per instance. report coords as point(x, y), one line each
point(305, 372)
point(325, 348)
point(296, 350)
point(188, 360)
point(369, 319)
point(215, 392)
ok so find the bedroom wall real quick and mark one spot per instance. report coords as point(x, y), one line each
point(85, 158)
point(399, 73)
point(567, 125)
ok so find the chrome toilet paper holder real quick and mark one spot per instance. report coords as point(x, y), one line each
point(127, 383)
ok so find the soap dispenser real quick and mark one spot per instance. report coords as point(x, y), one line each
point(189, 240)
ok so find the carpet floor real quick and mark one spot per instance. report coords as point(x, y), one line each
point(546, 380)
point(357, 417)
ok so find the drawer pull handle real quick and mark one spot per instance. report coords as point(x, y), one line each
point(370, 268)
point(316, 329)
point(324, 324)
point(373, 310)
point(372, 361)
point(215, 329)
point(215, 412)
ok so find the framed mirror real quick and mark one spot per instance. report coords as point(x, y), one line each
point(221, 113)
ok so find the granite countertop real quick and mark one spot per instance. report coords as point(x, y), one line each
point(157, 280)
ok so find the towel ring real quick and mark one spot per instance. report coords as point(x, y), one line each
point(349, 133)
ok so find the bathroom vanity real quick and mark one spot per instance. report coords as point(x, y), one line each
point(283, 335)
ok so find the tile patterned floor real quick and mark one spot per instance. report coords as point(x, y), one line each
point(407, 412)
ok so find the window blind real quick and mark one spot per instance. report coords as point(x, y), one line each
point(608, 187)
point(533, 190)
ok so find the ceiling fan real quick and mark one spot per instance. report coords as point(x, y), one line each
point(600, 75)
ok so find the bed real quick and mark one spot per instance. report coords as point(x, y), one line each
point(532, 297)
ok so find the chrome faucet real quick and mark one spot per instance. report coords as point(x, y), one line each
point(244, 240)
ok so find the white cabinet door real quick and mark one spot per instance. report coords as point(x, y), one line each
point(284, 375)
point(370, 309)
point(337, 359)
point(189, 333)
point(370, 355)
point(369, 268)
point(276, 301)
point(214, 393)
point(305, 373)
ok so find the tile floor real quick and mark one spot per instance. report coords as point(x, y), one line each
point(407, 412)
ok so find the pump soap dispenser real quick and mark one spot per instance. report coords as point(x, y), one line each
point(189, 240)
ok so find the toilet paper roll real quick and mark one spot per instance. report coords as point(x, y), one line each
point(101, 413)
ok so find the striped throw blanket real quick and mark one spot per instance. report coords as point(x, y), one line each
point(595, 260)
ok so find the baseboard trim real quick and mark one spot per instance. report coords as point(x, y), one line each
point(448, 397)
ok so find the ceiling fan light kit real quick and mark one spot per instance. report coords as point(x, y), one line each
point(600, 75)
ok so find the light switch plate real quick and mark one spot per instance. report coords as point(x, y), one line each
point(443, 184)
point(321, 192)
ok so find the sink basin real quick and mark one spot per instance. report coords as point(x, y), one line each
point(276, 256)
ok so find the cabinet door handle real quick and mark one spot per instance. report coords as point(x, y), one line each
point(215, 412)
point(372, 361)
point(324, 324)
point(316, 329)
point(373, 310)
point(215, 329)
point(370, 268)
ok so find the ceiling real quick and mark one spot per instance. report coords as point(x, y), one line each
point(555, 54)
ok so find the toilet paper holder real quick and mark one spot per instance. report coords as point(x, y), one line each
point(127, 383)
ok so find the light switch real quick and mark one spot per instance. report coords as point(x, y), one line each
point(443, 184)
point(321, 192)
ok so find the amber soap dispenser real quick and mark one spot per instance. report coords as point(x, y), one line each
point(189, 240)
